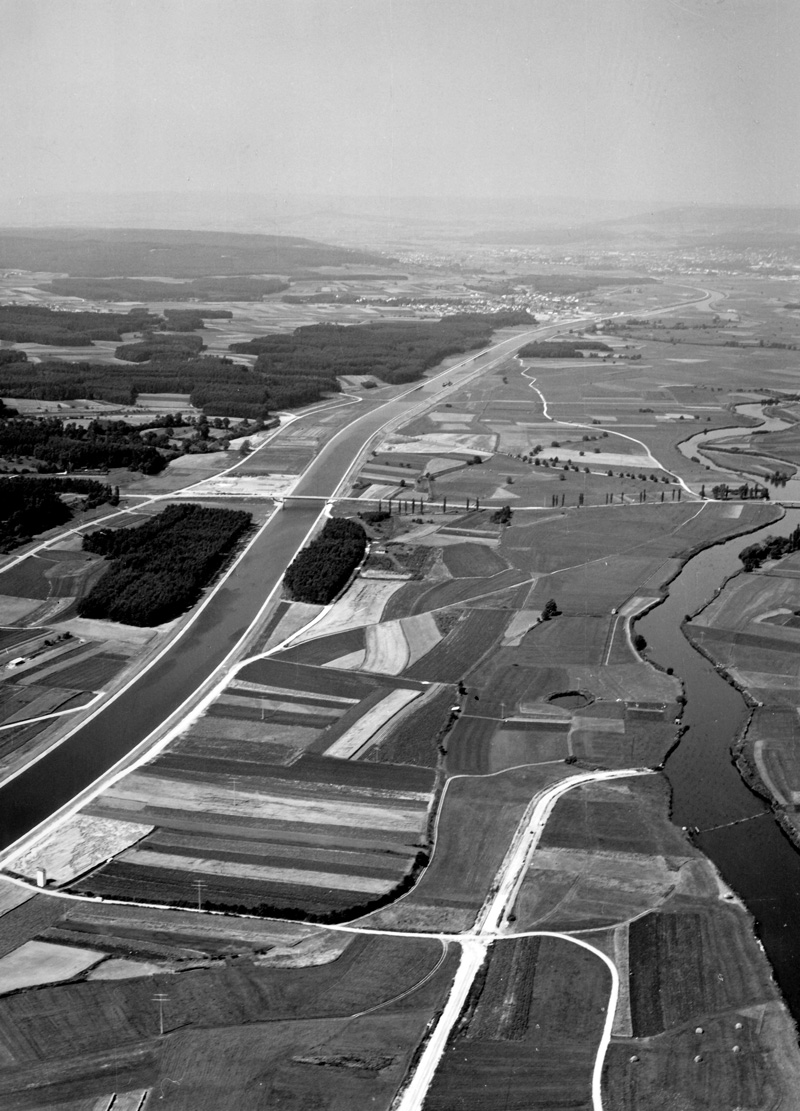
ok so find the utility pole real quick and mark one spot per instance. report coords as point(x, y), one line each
point(199, 884)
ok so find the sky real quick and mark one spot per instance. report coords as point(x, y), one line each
point(670, 100)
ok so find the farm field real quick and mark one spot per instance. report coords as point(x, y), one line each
point(476, 824)
point(529, 1030)
point(607, 855)
point(311, 1012)
point(373, 773)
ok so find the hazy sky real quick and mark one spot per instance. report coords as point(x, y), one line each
point(631, 99)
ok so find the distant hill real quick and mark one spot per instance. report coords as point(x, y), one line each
point(683, 225)
point(106, 253)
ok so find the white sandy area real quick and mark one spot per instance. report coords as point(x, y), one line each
point(363, 604)
point(442, 443)
point(255, 439)
point(387, 648)
point(112, 633)
point(518, 626)
point(138, 791)
point(337, 881)
point(637, 604)
point(505, 493)
point(437, 465)
point(121, 969)
point(75, 846)
point(598, 725)
point(245, 486)
point(320, 948)
point(12, 895)
point(41, 962)
point(427, 538)
point(687, 360)
point(359, 734)
point(380, 490)
point(675, 416)
point(602, 459)
point(277, 704)
point(266, 690)
point(422, 634)
point(351, 662)
point(441, 416)
point(297, 615)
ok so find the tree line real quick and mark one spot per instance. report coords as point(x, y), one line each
point(159, 569)
point(320, 570)
point(560, 349)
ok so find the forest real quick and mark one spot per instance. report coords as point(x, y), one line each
point(114, 252)
point(311, 357)
point(290, 370)
point(560, 349)
point(59, 445)
point(29, 506)
point(157, 570)
point(319, 571)
point(35, 324)
point(217, 385)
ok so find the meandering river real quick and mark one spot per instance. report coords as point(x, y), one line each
point(754, 856)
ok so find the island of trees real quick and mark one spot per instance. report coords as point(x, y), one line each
point(29, 506)
point(774, 547)
point(58, 445)
point(321, 570)
point(159, 569)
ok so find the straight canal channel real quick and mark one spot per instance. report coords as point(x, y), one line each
point(753, 855)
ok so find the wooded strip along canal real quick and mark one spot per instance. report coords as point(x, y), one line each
point(754, 857)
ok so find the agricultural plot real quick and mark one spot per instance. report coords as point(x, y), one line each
point(90, 1024)
point(463, 648)
point(742, 1059)
point(41, 962)
point(362, 604)
point(415, 737)
point(476, 822)
point(482, 746)
point(688, 962)
point(529, 1030)
point(749, 629)
point(74, 847)
point(316, 836)
point(472, 560)
point(608, 854)
point(615, 817)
